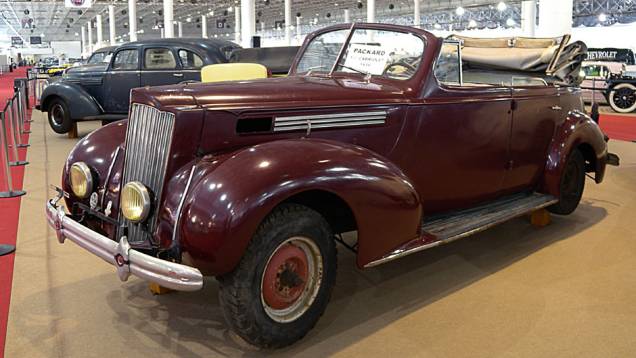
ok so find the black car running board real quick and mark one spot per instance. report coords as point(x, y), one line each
point(449, 227)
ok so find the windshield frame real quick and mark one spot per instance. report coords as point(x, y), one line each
point(421, 34)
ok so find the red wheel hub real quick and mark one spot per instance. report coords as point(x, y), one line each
point(285, 277)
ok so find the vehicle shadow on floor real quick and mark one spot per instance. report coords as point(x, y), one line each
point(363, 301)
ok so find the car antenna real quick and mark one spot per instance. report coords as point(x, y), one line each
point(337, 62)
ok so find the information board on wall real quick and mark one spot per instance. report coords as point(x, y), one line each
point(35, 40)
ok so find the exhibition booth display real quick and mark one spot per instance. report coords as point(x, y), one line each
point(349, 140)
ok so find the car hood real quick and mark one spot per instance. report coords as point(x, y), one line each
point(281, 92)
point(94, 67)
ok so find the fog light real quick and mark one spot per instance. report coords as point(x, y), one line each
point(135, 201)
point(81, 179)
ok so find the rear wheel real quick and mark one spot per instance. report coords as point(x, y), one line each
point(59, 116)
point(622, 98)
point(283, 283)
point(571, 185)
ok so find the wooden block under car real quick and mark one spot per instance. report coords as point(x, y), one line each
point(540, 218)
point(73, 132)
point(157, 289)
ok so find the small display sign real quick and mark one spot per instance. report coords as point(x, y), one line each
point(16, 41)
point(35, 40)
point(368, 58)
point(611, 54)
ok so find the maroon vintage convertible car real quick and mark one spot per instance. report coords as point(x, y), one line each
point(411, 140)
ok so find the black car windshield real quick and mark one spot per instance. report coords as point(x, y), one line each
point(385, 53)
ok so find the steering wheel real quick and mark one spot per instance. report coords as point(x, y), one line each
point(406, 66)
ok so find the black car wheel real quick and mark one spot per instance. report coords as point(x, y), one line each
point(59, 116)
point(283, 283)
point(622, 98)
point(571, 185)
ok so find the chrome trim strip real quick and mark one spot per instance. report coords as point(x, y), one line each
point(181, 202)
point(119, 254)
point(334, 120)
point(108, 174)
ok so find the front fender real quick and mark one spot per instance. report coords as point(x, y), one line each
point(577, 129)
point(80, 103)
point(232, 194)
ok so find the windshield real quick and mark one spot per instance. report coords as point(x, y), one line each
point(389, 54)
point(100, 57)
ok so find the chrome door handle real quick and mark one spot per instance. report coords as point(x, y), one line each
point(178, 74)
point(556, 108)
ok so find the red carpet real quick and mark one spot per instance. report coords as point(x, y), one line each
point(620, 127)
point(9, 209)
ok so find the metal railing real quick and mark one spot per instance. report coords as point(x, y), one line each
point(13, 120)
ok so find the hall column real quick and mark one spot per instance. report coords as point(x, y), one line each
point(168, 18)
point(416, 13)
point(288, 21)
point(132, 20)
point(180, 29)
point(90, 37)
point(370, 10)
point(237, 25)
point(111, 24)
point(528, 17)
point(347, 18)
point(100, 34)
point(248, 20)
point(204, 26)
point(298, 33)
point(555, 17)
point(84, 47)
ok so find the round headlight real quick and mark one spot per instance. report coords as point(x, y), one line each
point(135, 201)
point(81, 179)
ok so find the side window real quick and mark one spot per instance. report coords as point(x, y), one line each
point(448, 68)
point(126, 60)
point(159, 59)
point(190, 60)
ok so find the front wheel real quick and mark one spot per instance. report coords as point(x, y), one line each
point(283, 283)
point(59, 116)
point(571, 185)
point(622, 98)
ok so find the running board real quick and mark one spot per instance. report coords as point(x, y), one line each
point(450, 227)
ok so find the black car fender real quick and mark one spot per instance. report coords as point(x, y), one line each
point(80, 103)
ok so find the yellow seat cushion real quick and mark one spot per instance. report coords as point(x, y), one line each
point(232, 72)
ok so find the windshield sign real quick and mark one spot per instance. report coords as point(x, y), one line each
point(389, 54)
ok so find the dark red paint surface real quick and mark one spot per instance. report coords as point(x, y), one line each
point(441, 149)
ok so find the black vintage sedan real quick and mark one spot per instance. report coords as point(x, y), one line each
point(101, 91)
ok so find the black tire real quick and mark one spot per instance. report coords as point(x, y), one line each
point(571, 185)
point(241, 291)
point(59, 116)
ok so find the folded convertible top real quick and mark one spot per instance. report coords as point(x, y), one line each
point(540, 56)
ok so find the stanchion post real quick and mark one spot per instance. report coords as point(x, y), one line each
point(15, 131)
point(22, 108)
point(10, 193)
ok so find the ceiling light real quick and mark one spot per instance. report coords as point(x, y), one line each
point(189, 19)
point(460, 11)
point(437, 26)
point(230, 9)
point(472, 23)
point(602, 17)
point(76, 34)
point(510, 22)
point(502, 6)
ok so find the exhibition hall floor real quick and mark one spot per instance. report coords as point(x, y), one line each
point(515, 290)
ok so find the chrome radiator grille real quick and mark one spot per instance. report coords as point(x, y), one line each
point(148, 139)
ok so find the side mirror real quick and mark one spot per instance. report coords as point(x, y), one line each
point(594, 112)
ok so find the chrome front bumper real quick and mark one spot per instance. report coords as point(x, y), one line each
point(127, 260)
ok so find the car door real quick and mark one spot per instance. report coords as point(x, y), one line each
point(191, 64)
point(122, 76)
point(460, 137)
point(536, 110)
point(160, 67)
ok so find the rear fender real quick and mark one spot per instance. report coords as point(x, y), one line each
point(80, 103)
point(577, 131)
point(231, 195)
